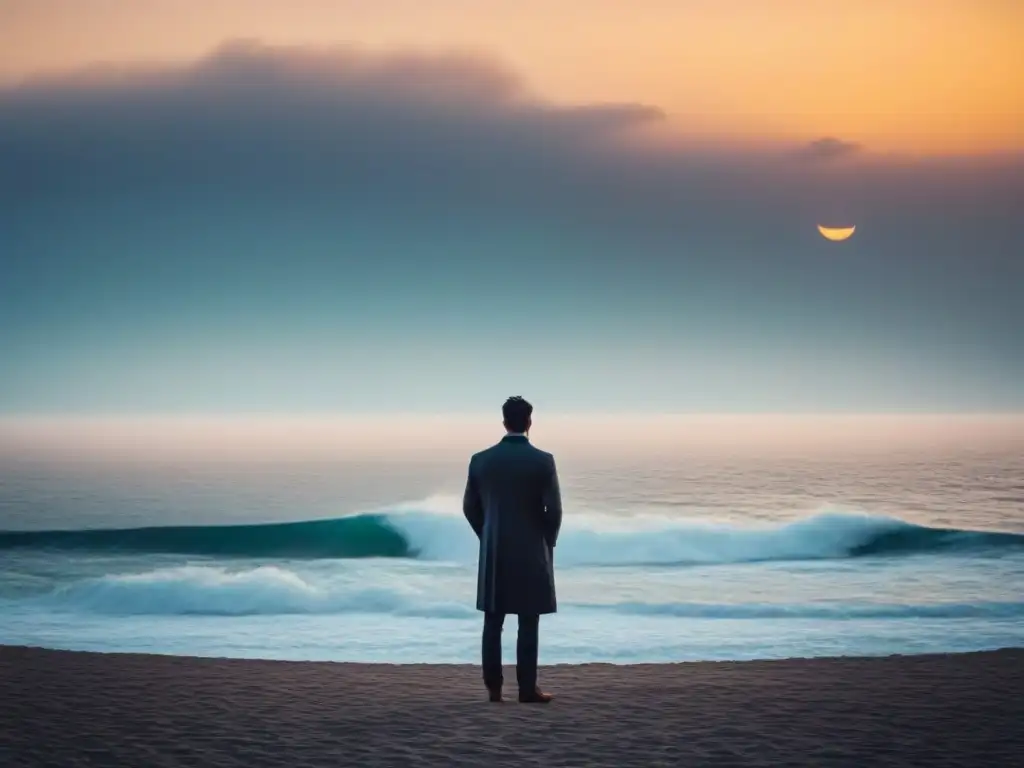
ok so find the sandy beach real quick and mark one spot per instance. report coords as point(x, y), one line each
point(69, 709)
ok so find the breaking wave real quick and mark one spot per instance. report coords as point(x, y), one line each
point(431, 535)
point(273, 590)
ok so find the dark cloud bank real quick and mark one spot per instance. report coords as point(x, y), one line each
point(288, 199)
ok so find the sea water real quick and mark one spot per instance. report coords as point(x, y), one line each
point(683, 538)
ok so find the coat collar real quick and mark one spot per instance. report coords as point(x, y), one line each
point(515, 439)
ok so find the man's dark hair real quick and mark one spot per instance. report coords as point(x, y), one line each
point(516, 412)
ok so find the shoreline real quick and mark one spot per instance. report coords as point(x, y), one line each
point(126, 709)
point(6, 648)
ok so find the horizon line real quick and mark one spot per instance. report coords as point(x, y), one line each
point(475, 414)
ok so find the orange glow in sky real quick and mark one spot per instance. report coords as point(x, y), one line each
point(919, 76)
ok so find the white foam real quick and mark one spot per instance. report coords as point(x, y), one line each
point(651, 540)
point(272, 590)
point(825, 611)
point(264, 590)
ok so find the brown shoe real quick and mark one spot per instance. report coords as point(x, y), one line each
point(537, 696)
point(494, 695)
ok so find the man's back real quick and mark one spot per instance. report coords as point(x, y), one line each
point(513, 502)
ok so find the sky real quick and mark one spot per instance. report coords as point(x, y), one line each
point(306, 207)
point(910, 75)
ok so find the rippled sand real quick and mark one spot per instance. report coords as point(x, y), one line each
point(82, 709)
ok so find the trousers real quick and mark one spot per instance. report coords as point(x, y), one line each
point(526, 651)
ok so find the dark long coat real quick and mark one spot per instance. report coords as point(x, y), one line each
point(513, 502)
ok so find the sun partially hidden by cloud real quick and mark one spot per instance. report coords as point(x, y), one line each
point(837, 234)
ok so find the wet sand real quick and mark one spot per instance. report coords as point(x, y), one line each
point(67, 709)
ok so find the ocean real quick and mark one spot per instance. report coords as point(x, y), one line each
point(684, 537)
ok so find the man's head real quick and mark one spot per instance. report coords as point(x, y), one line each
point(517, 415)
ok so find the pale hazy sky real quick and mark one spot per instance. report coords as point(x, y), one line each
point(407, 206)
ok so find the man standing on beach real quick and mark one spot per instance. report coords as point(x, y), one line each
point(513, 502)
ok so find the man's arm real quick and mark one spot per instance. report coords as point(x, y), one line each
point(472, 505)
point(552, 504)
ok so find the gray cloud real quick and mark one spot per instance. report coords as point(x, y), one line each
point(420, 131)
point(298, 118)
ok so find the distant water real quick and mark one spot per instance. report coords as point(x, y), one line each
point(900, 538)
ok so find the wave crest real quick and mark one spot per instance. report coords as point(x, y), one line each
point(433, 535)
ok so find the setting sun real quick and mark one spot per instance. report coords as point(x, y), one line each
point(837, 234)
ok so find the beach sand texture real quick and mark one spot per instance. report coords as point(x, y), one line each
point(66, 710)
